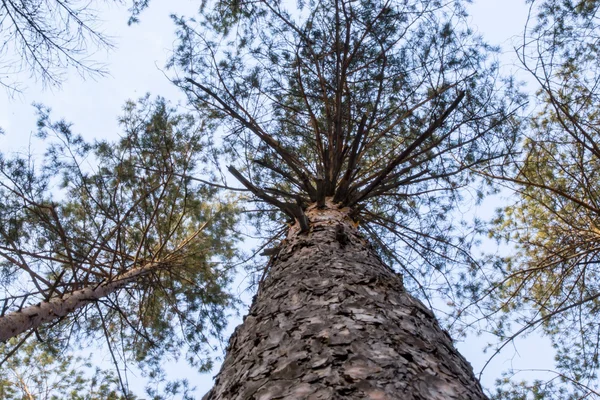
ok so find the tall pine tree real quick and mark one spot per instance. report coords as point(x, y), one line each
point(357, 123)
point(114, 243)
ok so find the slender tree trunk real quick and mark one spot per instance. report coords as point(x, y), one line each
point(31, 317)
point(331, 321)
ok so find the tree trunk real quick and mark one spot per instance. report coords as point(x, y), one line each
point(31, 317)
point(331, 321)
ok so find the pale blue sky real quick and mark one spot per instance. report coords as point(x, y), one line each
point(136, 67)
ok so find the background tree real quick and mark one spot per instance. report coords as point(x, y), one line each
point(365, 114)
point(39, 373)
point(47, 37)
point(114, 242)
point(552, 279)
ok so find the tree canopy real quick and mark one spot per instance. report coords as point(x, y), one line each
point(36, 372)
point(384, 106)
point(552, 279)
point(125, 214)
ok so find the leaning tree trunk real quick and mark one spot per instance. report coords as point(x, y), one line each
point(34, 316)
point(331, 321)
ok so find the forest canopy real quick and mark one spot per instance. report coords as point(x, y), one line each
point(398, 110)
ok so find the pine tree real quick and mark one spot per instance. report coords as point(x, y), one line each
point(551, 280)
point(114, 242)
point(357, 122)
point(41, 373)
point(47, 38)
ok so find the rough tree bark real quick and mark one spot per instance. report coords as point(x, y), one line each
point(332, 321)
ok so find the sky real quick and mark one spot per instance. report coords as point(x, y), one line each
point(136, 67)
